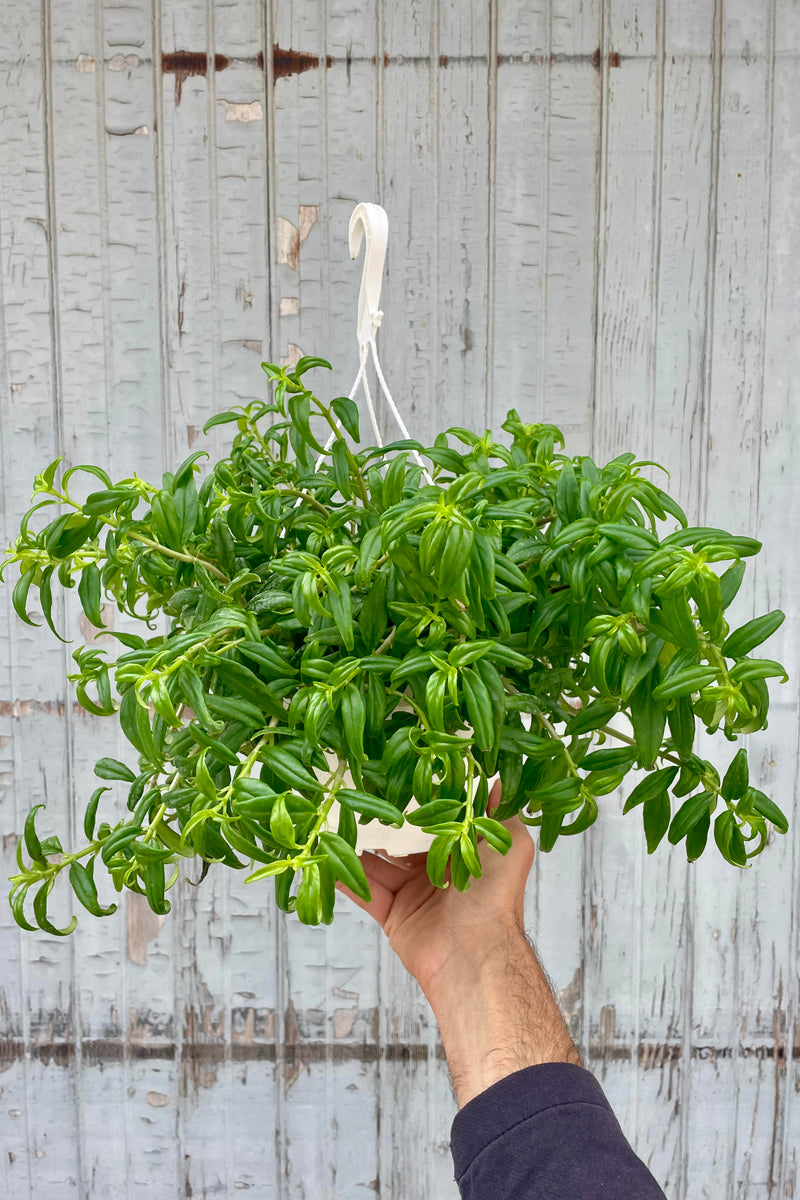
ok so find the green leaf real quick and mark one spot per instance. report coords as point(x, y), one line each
point(84, 887)
point(656, 819)
point(229, 708)
point(649, 719)
point(91, 812)
point(435, 813)
point(730, 582)
point(223, 418)
point(736, 779)
point(17, 901)
point(632, 536)
point(682, 725)
point(347, 412)
point(370, 806)
point(154, 884)
point(341, 608)
point(470, 855)
point(495, 834)
point(684, 683)
point(354, 720)
point(729, 839)
point(346, 864)
point(40, 911)
point(46, 600)
point(308, 907)
point(596, 714)
point(438, 855)
point(654, 784)
point(697, 837)
point(32, 843)
point(300, 412)
point(19, 596)
point(609, 760)
point(689, 813)
point(287, 768)
point(757, 668)
point(308, 362)
point(479, 707)
point(89, 593)
point(112, 768)
point(186, 509)
point(752, 634)
point(561, 797)
point(281, 825)
point(762, 804)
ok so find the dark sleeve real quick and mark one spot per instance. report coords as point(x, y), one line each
point(546, 1133)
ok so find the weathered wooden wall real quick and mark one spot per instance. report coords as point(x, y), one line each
point(594, 217)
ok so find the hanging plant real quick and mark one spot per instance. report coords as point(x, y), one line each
point(350, 628)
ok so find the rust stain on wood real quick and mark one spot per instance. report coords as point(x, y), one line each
point(292, 62)
point(184, 64)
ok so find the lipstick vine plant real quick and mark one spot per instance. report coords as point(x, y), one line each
point(336, 620)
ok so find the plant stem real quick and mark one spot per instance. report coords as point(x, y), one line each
point(387, 642)
point(156, 821)
point(190, 558)
point(289, 491)
point(546, 724)
point(334, 783)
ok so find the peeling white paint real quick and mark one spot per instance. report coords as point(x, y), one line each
point(288, 249)
point(234, 111)
point(121, 62)
point(309, 215)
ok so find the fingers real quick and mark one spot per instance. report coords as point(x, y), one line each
point(391, 875)
point(494, 798)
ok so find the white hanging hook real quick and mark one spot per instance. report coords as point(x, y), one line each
point(369, 223)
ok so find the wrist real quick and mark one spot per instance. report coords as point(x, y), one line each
point(496, 1012)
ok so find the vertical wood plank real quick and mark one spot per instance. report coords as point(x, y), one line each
point(724, 900)
point(32, 406)
point(779, 506)
point(618, 889)
point(681, 224)
point(327, 996)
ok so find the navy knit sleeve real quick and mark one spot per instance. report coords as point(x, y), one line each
point(546, 1133)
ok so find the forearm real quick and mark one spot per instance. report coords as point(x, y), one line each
point(497, 1014)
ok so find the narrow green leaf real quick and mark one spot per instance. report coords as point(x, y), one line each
point(752, 634)
point(652, 785)
point(438, 855)
point(40, 911)
point(689, 813)
point(347, 412)
point(32, 843)
point(346, 864)
point(656, 819)
point(112, 768)
point(89, 593)
point(19, 596)
point(91, 812)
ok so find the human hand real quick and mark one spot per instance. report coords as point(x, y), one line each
point(435, 929)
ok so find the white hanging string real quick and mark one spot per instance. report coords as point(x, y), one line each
point(369, 221)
